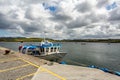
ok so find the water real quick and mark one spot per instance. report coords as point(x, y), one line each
point(99, 54)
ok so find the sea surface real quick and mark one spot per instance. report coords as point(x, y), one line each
point(105, 55)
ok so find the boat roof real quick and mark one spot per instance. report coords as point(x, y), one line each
point(49, 44)
point(43, 45)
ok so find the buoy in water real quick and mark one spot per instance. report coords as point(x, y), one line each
point(117, 73)
point(63, 62)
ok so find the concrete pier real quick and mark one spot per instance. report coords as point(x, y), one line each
point(69, 72)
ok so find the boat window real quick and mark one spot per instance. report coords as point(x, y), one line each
point(58, 48)
point(51, 49)
point(55, 49)
point(42, 49)
point(47, 49)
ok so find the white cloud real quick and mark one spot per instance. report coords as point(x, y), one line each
point(19, 28)
point(37, 11)
point(71, 19)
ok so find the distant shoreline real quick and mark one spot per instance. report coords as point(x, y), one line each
point(65, 40)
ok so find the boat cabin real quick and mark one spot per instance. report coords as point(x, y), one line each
point(44, 48)
point(48, 48)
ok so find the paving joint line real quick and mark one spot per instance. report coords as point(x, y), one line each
point(25, 76)
point(13, 68)
point(7, 60)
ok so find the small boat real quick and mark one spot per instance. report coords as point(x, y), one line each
point(83, 43)
point(46, 50)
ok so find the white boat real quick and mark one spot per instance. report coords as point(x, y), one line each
point(46, 50)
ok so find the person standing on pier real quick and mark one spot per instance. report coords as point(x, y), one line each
point(20, 47)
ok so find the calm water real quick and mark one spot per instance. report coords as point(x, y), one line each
point(99, 54)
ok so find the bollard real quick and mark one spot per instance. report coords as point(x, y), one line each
point(7, 52)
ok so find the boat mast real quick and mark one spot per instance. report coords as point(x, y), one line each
point(44, 36)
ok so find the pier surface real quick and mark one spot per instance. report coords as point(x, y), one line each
point(69, 72)
point(17, 66)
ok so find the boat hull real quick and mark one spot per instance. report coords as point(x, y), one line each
point(57, 57)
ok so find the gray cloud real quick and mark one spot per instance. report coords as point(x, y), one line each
point(86, 20)
point(60, 17)
point(95, 17)
point(114, 15)
point(84, 7)
point(59, 27)
point(102, 3)
point(79, 22)
point(4, 22)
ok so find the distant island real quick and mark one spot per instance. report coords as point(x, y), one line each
point(23, 39)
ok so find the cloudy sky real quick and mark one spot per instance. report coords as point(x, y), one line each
point(60, 19)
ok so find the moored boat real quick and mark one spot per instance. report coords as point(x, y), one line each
point(46, 50)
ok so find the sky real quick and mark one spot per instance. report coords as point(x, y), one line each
point(60, 19)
